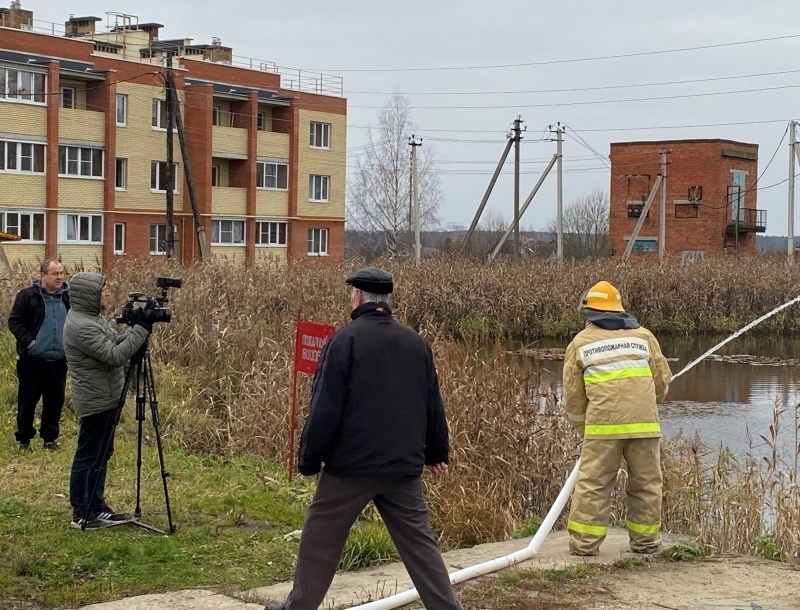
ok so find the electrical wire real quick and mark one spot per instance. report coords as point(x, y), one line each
point(576, 89)
point(572, 60)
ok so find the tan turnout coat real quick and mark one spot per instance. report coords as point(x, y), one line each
point(613, 380)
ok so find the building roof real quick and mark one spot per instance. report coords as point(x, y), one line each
point(83, 68)
point(687, 141)
point(80, 19)
point(239, 92)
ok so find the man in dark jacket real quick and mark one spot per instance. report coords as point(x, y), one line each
point(97, 354)
point(376, 421)
point(37, 322)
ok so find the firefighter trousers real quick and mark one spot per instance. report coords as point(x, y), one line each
point(591, 502)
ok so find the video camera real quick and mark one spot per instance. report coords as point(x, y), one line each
point(131, 314)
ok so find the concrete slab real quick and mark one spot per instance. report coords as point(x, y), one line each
point(353, 588)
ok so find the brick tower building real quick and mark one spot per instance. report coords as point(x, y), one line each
point(710, 197)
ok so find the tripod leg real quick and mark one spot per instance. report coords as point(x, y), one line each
point(140, 402)
point(151, 390)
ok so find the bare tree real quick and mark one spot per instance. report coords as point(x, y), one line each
point(585, 226)
point(379, 199)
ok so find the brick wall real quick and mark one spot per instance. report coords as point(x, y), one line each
point(705, 163)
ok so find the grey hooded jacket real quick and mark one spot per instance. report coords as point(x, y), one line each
point(96, 352)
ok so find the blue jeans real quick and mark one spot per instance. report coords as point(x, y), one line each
point(86, 465)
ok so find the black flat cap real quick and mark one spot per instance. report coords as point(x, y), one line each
point(372, 279)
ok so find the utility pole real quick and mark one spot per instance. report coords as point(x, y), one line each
point(187, 167)
point(559, 194)
point(792, 151)
point(169, 174)
point(517, 137)
point(662, 224)
point(412, 141)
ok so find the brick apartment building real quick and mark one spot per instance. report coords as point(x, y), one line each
point(710, 197)
point(83, 147)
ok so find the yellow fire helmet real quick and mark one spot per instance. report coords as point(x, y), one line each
point(603, 297)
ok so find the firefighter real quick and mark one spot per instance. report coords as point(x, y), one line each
point(614, 376)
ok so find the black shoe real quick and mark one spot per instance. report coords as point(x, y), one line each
point(93, 523)
point(50, 445)
point(110, 516)
point(25, 448)
point(274, 607)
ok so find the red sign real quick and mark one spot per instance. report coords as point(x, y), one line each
point(308, 345)
point(307, 348)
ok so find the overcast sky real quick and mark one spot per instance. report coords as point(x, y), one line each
point(383, 47)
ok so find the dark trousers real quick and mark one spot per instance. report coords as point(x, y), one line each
point(88, 458)
point(337, 503)
point(45, 379)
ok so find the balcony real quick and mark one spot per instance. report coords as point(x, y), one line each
point(228, 200)
point(748, 221)
point(229, 141)
point(88, 125)
point(273, 144)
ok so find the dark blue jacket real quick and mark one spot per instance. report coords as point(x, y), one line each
point(375, 404)
point(27, 314)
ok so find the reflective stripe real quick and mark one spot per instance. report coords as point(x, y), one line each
point(592, 530)
point(621, 374)
point(616, 366)
point(643, 529)
point(611, 429)
point(573, 417)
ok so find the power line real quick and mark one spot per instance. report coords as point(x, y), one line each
point(596, 102)
point(568, 61)
point(574, 89)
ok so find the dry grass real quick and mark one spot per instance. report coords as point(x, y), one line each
point(225, 378)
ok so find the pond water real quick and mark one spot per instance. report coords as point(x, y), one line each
point(728, 404)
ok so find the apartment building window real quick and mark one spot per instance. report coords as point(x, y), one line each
point(225, 232)
point(270, 233)
point(28, 225)
point(215, 175)
point(68, 97)
point(272, 176)
point(80, 228)
point(80, 161)
point(121, 175)
point(22, 85)
point(261, 122)
point(320, 135)
point(160, 115)
point(158, 176)
point(215, 115)
point(318, 242)
point(122, 110)
point(318, 187)
point(119, 238)
point(21, 157)
point(158, 238)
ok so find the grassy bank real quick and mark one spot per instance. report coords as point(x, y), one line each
point(224, 379)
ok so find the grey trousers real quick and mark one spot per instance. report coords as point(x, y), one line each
point(337, 503)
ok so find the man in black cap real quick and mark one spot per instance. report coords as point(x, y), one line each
point(376, 421)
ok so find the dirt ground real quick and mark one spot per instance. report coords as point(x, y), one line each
point(727, 583)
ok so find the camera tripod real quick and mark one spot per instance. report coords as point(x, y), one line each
point(139, 376)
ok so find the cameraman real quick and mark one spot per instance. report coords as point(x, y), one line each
point(96, 354)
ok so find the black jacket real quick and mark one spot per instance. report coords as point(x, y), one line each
point(27, 315)
point(375, 403)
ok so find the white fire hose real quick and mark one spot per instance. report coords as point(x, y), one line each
point(493, 565)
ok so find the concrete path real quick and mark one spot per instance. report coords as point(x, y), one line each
point(352, 588)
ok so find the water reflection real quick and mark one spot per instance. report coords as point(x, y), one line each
point(727, 404)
